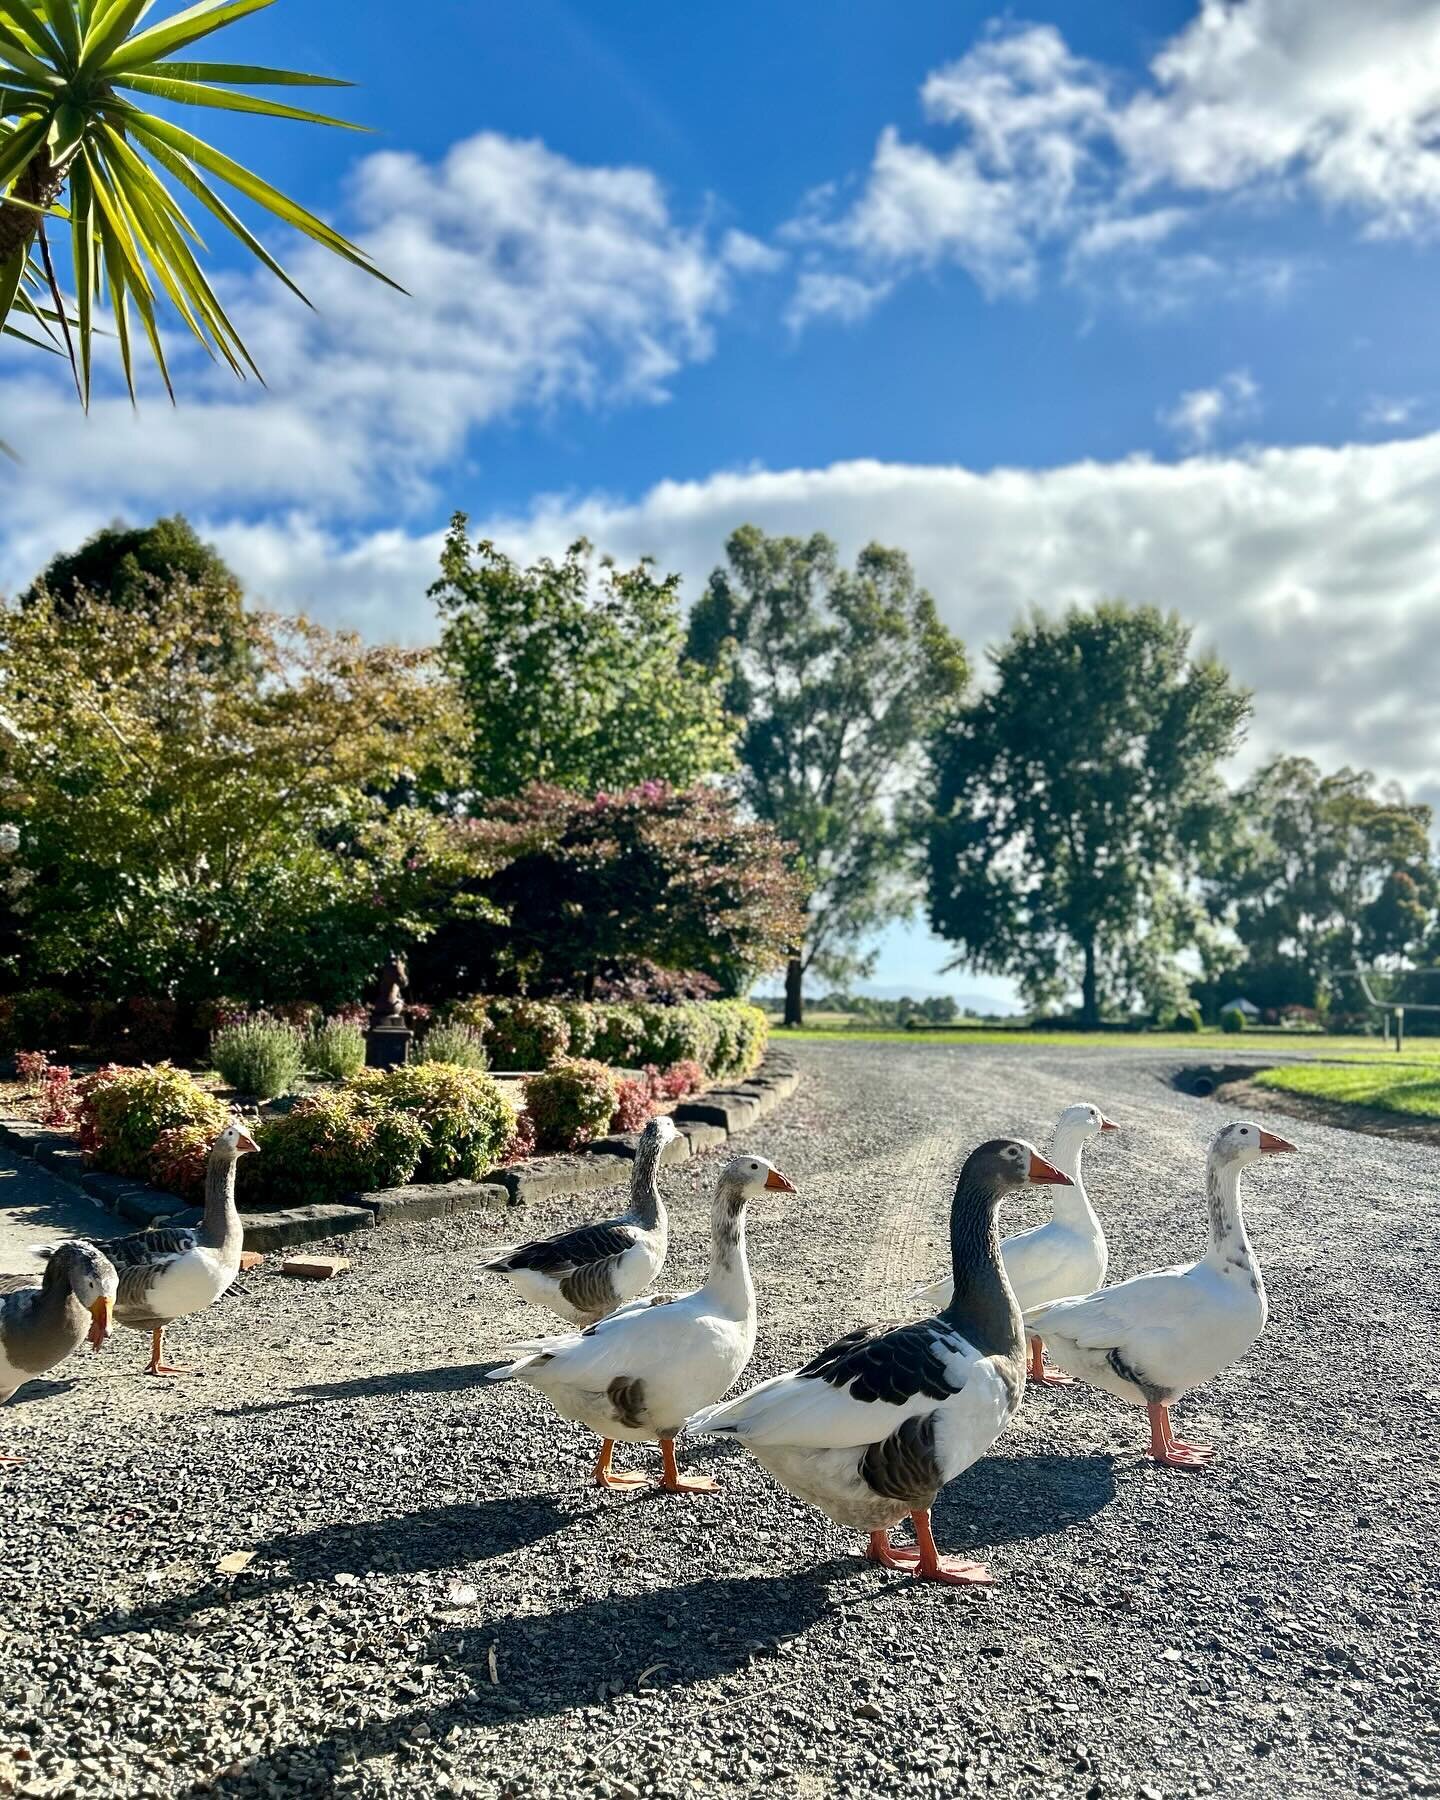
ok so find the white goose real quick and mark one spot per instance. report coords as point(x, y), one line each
point(582, 1275)
point(638, 1375)
point(874, 1427)
point(1067, 1254)
point(1154, 1337)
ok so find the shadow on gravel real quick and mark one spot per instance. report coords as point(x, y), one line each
point(43, 1390)
point(450, 1378)
point(439, 1537)
point(549, 1663)
point(1007, 1500)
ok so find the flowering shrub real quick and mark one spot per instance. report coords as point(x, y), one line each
point(638, 1096)
point(261, 1056)
point(330, 1145)
point(177, 1163)
point(465, 1118)
point(519, 1034)
point(454, 1043)
point(31, 1066)
point(721, 1037)
point(522, 1140)
point(334, 1047)
point(682, 1078)
point(571, 1103)
point(59, 1098)
point(122, 1113)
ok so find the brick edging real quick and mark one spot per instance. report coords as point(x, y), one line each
point(704, 1123)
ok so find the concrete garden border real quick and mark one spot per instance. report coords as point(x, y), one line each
point(704, 1123)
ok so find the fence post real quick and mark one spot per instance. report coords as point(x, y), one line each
point(1399, 1029)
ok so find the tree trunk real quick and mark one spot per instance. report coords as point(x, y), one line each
point(40, 183)
point(1089, 1004)
point(794, 995)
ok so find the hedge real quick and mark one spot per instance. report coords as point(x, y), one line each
point(725, 1037)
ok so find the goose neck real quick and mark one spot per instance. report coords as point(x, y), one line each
point(983, 1305)
point(646, 1205)
point(729, 1278)
point(1227, 1221)
point(1070, 1205)
point(220, 1227)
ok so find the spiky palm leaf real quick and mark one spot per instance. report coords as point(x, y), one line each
point(68, 127)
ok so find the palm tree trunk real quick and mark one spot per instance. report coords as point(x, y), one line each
point(40, 183)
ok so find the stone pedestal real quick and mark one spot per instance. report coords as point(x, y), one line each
point(387, 1046)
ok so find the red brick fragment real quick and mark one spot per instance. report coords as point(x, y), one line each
point(315, 1268)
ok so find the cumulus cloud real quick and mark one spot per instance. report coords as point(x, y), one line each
point(1057, 156)
point(1197, 415)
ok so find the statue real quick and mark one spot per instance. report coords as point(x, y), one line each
point(387, 1042)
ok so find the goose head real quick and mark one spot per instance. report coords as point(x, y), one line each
point(1082, 1123)
point(659, 1131)
point(745, 1177)
point(91, 1278)
point(1243, 1142)
point(233, 1143)
point(997, 1168)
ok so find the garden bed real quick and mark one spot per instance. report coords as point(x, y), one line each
point(704, 1123)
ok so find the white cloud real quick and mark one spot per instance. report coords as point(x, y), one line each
point(1389, 411)
point(1252, 100)
point(1198, 415)
point(533, 282)
point(826, 294)
point(1314, 573)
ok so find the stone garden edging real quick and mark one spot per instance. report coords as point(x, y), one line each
point(703, 1123)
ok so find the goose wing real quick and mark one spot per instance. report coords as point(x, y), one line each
point(632, 1338)
point(857, 1391)
point(568, 1251)
point(1144, 1313)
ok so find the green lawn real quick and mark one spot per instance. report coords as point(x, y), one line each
point(1398, 1086)
point(1207, 1045)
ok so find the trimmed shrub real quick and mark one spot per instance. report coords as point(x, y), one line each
point(682, 1078)
point(461, 1045)
point(39, 1016)
point(334, 1047)
point(260, 1056)
point(123, 1112)
point(724, 1037)
point(1186, 1019)
point(177, 1163)
point(522, 1140)
point(329, 1145)
point(465, 1118)
point(1232, 1020)
point(582, 1024)
point(639, 1095)
point(571, 1103)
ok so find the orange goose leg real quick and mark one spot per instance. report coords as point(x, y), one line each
point(1168, 1450)
point(674, 1482)
point(935, 1567)
point(1040, 1376)
point(606, 1477)
point(157, 1349)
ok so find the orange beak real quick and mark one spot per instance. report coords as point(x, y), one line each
point(782, 1184)
point(100, 1314)
point(245, 1143)
point(1044, 1174)
point(1270, 1145)
point(1108, 1124)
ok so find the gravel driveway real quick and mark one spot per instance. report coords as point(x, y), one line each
point(438, 1603)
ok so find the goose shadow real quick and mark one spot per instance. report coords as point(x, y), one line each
point(435, 1538)
point(540, 1665)
point(42, 1390)
point(449, 1378)
point(1016, 1499)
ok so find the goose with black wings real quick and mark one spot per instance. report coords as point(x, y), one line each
point(874, 1426)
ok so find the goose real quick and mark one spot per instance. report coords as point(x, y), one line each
point(637, 1375)
point(1154, 1337)
point(875, 1425)
point(170, 1273)
point(42, 1321)
point(584, 1274)
point(1067, 1254)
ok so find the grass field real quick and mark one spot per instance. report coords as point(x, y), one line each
point(1400, 1085)
point(1206, 1044)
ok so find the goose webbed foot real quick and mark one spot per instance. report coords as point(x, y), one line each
point(606, 1477)
point(673, 1482)
point(1041, 1375)
point(890, 1556)
point(158, 1364)
point(954, 1571)
point(1169, 1451)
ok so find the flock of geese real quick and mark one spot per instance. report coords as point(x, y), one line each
point(867, 1431)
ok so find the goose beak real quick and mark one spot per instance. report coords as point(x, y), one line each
point(100, 1313)
point(1044, 1174)
point(244, 1144)
point(1108, 1124)
point(780, 1183)
point(1270, 1145)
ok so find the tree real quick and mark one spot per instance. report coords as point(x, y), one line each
point(1074, 797)
point(72, 74)
point(192, 827)
point(573, 681)
point(122, 566)
point(1323, 872)
point(567, 890)
point(837, 675)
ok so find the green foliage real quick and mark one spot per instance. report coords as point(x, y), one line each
point(334, 1047)
point(123, 1113)
point(1232, 1021)
point(465, 1116)
point(576, 681)
point(329, 1145)
point(1406, 1088)
point(1322, 873)
point(571, 1103)
point(195, 824)
point(1074, 798)
point(574, 890)
point(73, 74)
point(1186, 1019)
point(461, 1045)
point(724, 1037)
point(838, 676)
point(260, 1056)
point(177, 1164)
point(518, 1033)
point(36, 1019)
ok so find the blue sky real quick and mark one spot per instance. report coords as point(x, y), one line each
point(1066, 300)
